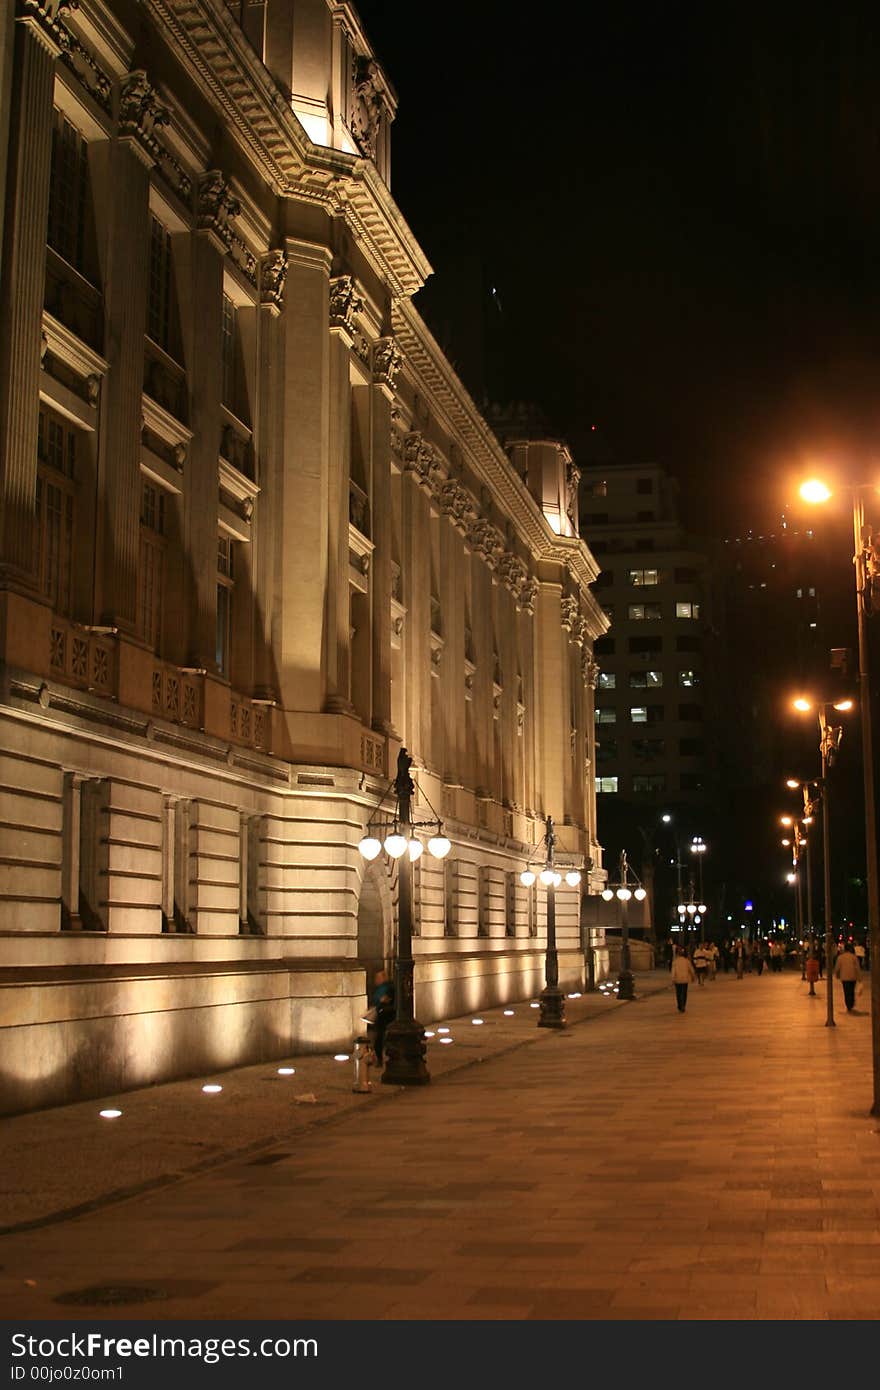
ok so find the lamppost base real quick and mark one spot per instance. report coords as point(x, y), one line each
point(626, 985)
point(552, 1014)
point(405, 1053)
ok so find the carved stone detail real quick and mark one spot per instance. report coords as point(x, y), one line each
point(366, 113)
point(569, 612)
point(589, 669)
point(485, 541)
point(216, 206)
point(581, 631)
point(419, 458)
point(345, 303)
point(141, 113)
point(527, 596)
point(273, 273)
point(387, 358)
point(456, 502)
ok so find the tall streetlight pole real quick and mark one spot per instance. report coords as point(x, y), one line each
point(867, 573)
point(829, 741)
point(825, 733)
point(552, 999)
point(699, 847)
point(623, 892)
point(405, 1037)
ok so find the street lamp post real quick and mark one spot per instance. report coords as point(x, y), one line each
point(830, 735)
point(867, 573)
point(405, 1037)
point(623, 893)
point(552, 999)
point(698, 847)
point(826, 737)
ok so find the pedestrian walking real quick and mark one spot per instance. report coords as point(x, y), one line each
point(682, 975)
point(714, 954)
point(739, 957)
point(812, 970)
point(847, 970)
point(702, 961)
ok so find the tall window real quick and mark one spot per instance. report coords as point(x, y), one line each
point(159, 297)
point(227, 348)
point(68, 191)
point(151, 567)
point(55, 507)
point(225, 583)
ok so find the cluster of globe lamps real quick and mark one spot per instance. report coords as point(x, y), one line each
point(396, 845)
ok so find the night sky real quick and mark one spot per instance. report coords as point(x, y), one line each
point(678, 209)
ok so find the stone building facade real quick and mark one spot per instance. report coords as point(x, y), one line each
point(255, 535)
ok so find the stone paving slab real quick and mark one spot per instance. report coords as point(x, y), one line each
point(652, 1166)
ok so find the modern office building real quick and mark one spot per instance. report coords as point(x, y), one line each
point(656, 750)
point(255, 536)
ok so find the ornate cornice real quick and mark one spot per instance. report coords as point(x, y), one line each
point(210, 45)
point(435, 379)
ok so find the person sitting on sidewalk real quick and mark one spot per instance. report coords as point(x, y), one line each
point(682, 976)
point(848, 970)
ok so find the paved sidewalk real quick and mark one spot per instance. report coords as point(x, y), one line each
point(648, 1165)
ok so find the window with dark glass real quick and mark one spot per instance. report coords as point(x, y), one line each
point(603, 646)
point(160, 285)
point(691, 747)
point(638, 612)
point(645, 680)
point(151, 566)
point(68, 192)
point(644, 485)
point(688, 712)
point(225, 583)
point(55, 510)
point(646, 644)
point(649, 782)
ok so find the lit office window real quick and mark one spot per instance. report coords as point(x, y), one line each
point(687, 610)
point(606, 784)
point(607, 680)
point(644, 578)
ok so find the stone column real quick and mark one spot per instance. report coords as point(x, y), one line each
point(201, 295)
point(386, 359)
point(267, 441)
point(552, 741)
point(121, 177)
point(337, 631)
point(169, 849)
point(21, 289)
point(302, 553)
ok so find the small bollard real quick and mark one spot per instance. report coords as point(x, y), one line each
point(362, 1052)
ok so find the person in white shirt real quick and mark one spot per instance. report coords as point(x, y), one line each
point(702, 961)
point(682, 976)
